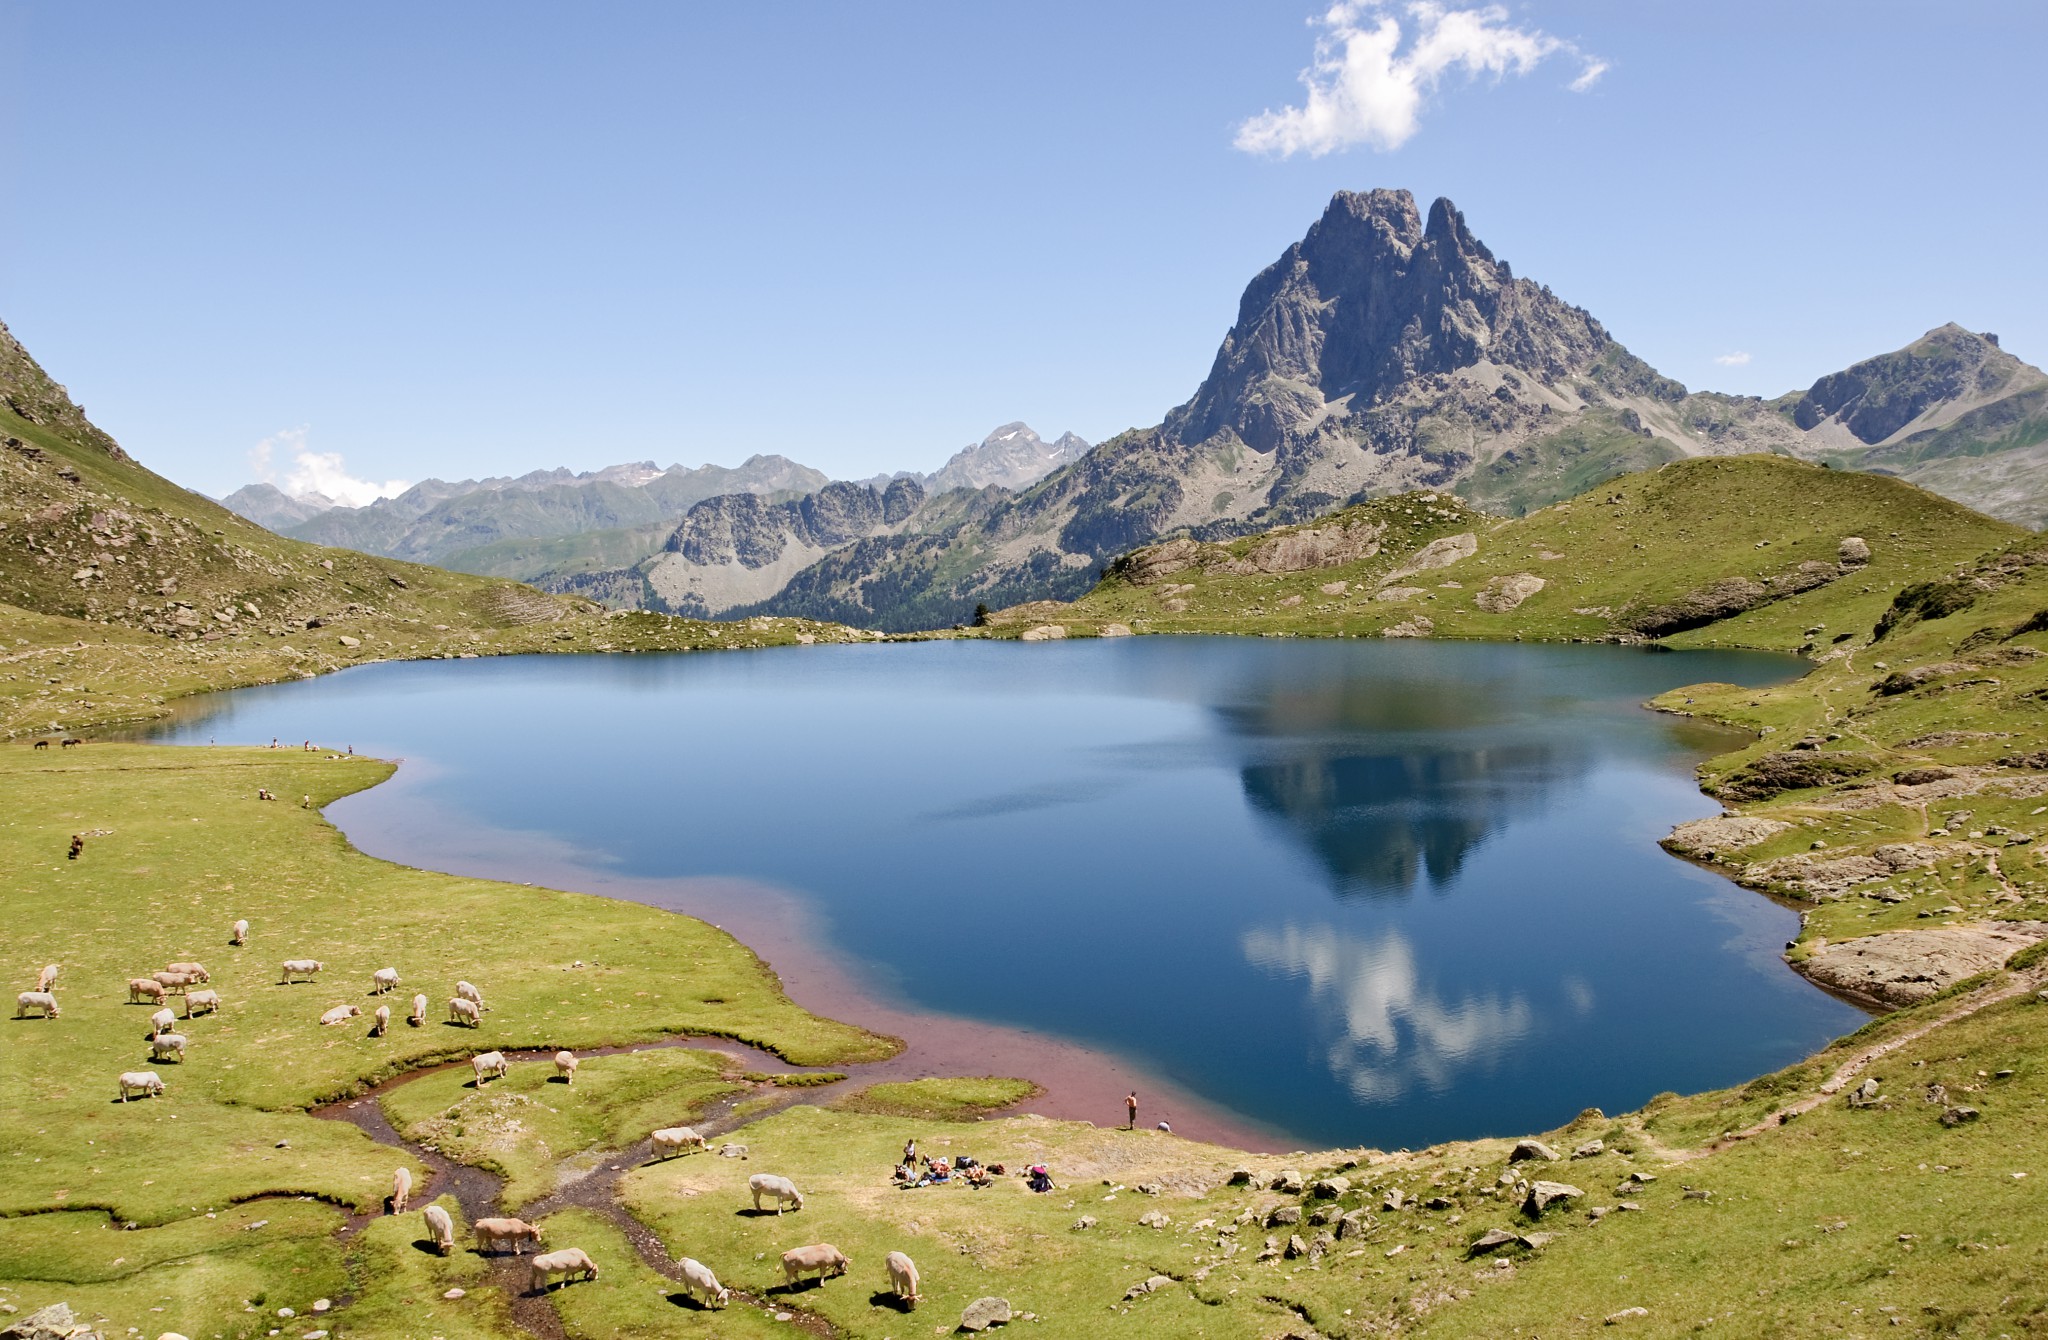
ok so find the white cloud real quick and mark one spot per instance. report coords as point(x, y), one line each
point(1734, 360)
point(313, 473)
point(1366, 87)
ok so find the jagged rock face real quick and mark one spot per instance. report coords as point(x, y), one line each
point(1011, 457)
point(743, 528)
point(1371, 300)
point(1880, 396)
point(30, 392)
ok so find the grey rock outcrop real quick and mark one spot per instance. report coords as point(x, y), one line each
point(983, 1313)
point(1897, 968)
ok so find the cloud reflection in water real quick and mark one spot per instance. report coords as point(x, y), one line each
point(1388, 1031)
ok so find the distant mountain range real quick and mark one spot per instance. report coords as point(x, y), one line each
point(558, 525)
point(1385, 351)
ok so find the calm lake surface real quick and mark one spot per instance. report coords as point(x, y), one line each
point(1353, 892)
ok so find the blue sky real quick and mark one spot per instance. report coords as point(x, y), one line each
point(467, 238)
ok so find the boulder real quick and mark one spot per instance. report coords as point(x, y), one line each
point(1045, 632)
point(1853, 551)
point(1084, 1223)
point(1897, 968)
point(1152, 1284)
point(1956, 1116)
point(1626, 1314)
point(1525, 1150)
point(1399, 593)
point(1727, 832)
point(1329, 1188)
point(1283, 1214)
point(1504, 593)
point(1241, 1177)
point(1334, 588)
point(1590, 1149)
point(983, 1313)
point(1287, 1183)
point(1296, 1247)
point(1436, 554)
point(1355, 1224)
point(1492, 1240)
point(1394, 1199)
point(1542, 1195)
point(54, 1322)
point(1154, 1219)
point(1418, 626)
point(1114, 630)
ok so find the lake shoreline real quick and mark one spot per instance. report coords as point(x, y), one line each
point(1078, 1082)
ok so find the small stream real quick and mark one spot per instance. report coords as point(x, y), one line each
point(479, 1192)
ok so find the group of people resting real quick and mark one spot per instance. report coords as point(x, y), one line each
point(915, 1171)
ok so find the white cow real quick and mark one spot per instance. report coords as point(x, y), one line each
point(166, 1045)
point(144, 1082)
point(383, 1021)
point(341, 1014)
point(702, 1285)
point(241, 935)
point(162, 1022)
point(468, 991)
point(490, 1063)
point(569, 1261)
point(419, 1010)
point(201, 1000)
point(301, 967)
point(462, 1011)
point(145, 989)
point(565, 1066)
point(443, 1229)
point(47, 978)
point(46, 1001)
point(784, 1191)
point(401, 1188)
point(902, 1277)
point(382, 980)
point(674, 1139)
point(196, 971)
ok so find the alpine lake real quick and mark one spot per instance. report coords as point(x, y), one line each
point(1349, 892)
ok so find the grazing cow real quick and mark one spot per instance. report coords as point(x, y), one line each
point(164, 1046)
point(702, 1285)
point(196, 971)
point(162, 1022)
point(494, 1233)
point(565, 1066)
point(468, 991)
point(401, 1188)
point(77, 845)
point(301, 967)
point(42, 744)
point(144, 1082)
point(673, 1139)
point(70, 742)
point(443, 1229)
point(201, 1000)
point(784, 1191)
point(340, 1014)
point(145, 989)
point(241, 935)
point(46, 1001)
point(419, 1010)
point(569, 1261)
point(902, 1277)
point(174, 981)
point(490, 1063)
point(462, 1011)
point(382, 980)
point(47, 978)
point(822, 1257)
point(383, 1021)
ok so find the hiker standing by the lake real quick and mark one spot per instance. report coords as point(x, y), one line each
point(1131, 1106)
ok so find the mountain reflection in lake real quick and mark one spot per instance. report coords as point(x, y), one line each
point(1379, 893)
